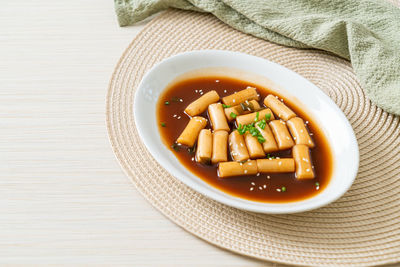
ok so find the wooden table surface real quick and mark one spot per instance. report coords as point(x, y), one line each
point(63, 196)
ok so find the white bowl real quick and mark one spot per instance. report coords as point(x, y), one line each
point(332, 121)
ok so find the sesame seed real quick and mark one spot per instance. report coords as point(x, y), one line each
point(240, 163)
point(233, 100)
point(245, 171)
point(307, 170)
point(250, 164)
point(174, 116)
point(304, 159)
point(260, 187)
point(278, 189)
point(179, 144)
point(311, 134)
point(225, 91)
point(192, 158)
point(217, 81)
point(301, 131)
point(179, 117)
point(306, 122)
point(282, 99)
point(276, 96)
point(253, 183)
point(265, 186)
point(258, 174)
point(251, 188)
point(201, 93)
point(309, 141)
point(180, 100)
point(241, 144)
point(268, 177)
point(196, 90)
point(317, 188)
point(278, 158)
point(280, 163)
point(294, 138)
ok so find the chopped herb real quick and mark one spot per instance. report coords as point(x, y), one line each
point(268, 116)
point(175, 147)
point(260, 139)
point(192, 150)
point(175, 99)
point(233, 115)
point(243, 106)
point(225, 106)
point(166, 103)
point(262, 123)
point(253, 131)
point(257, 115)
point(163, 124)
point(283, 189)
point(242, 129)
point(270, 157)
point(208, 162)
point(251, 106)
point(316, 184)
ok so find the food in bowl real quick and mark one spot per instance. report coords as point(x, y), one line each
point(244, 139)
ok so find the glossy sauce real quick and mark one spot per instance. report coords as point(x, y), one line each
point(262, 188)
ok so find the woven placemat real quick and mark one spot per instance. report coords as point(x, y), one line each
point(361, 228)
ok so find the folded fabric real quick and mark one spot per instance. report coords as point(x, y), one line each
point(366, 32)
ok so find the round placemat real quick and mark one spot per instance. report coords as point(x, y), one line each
point(361, 228)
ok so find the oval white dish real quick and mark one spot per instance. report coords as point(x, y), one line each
point(332, 121)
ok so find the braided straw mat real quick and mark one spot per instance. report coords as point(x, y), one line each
point(362, 228)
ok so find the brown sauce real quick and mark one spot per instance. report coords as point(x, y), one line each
point(266, 187)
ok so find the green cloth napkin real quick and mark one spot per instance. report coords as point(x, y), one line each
point(366, 32)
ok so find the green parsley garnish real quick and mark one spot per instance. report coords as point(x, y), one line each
point(225, 106)
point(163, 124)
point(247, 106)
point(270, 157)
point(262, 123)
point(283, 189)
point(268, 116)
point(316, 184)
point(256, 118)
point(174, 99)
point(233, 115)
point(166, 103)
point(175, 147)
point(253, 131)
point(192, 150)
point(242, 129)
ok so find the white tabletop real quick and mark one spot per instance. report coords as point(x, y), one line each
point(63, 196)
